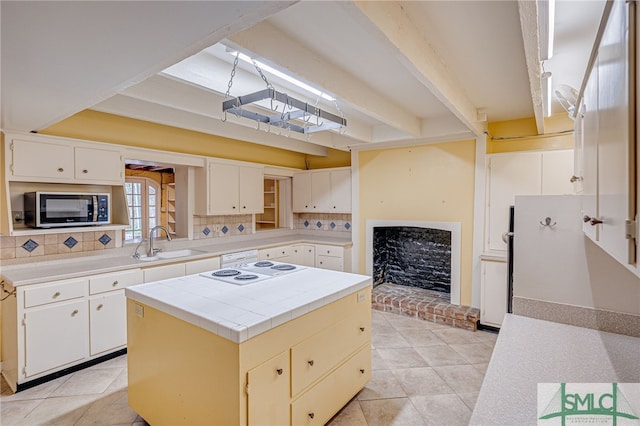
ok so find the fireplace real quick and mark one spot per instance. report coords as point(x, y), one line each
point(425, 255)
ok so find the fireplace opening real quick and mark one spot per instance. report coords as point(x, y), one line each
point(412, 256)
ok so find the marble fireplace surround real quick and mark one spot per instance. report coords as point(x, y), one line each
point(453, 227)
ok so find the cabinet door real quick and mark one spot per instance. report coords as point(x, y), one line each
point(251, 190)
point(42, 160)
point(223, 188)
point(590, 153)
point(55, 335)
point(197, 266)
point(341, 191)
point(107, 321)
point(268, 392)
point(509, 175)
point(614, 167)
point(163, 272)
point(494, 294)
point(99, 165)
point(302, 192)
point(304, 254)
point(557, 170)
point(321, 192)
point(329, 262)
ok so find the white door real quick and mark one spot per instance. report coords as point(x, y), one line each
point(107, 321)
point(251, 190)
point(321, 192)
point(330, 262)
point(494, 295)
point(100, 165)
point(302, 192)
point(223, 189)
point(42, 160)
point(55, 335)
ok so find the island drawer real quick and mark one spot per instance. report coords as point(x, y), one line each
point(114, 281)
point(54, 292)
point(316, 406)
point(314, 357)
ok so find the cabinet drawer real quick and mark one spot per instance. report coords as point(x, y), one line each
point(321, 402)
point(109, 282)
point(55, 292)
point(314, 357)
point(276, 252)
point(203, 265)
point(164, 272)
point(333, 251)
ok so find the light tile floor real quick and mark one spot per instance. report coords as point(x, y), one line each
point(422, 374)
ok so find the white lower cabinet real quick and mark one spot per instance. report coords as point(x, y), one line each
point(330, 257)
point(203, 265)
point(494, 292)
point(55, 335)
point(304, 254)
point(164, 272)
point(107, 321)
point(280, 254)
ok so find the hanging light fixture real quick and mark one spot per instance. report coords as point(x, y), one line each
point(278, 109)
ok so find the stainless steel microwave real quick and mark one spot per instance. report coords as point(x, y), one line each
point(56, 209)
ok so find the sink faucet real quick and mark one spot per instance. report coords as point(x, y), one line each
point(151, 252)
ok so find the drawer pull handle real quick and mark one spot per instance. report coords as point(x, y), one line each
point(586, 218)
point(56, 294)
point(279, 371)
point(60, 169)
point(328, 251)
point(595, 221)
point(85, 171)
point(283, 252)
point(362, 329)
point(310, 363)
point(115, 283)
point(311, 415)
point(74, 313)
point(100, 306)
point(362, 370)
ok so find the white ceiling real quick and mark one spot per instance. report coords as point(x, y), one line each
point(402, 72)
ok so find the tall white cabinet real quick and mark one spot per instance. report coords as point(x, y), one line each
point(322, 191)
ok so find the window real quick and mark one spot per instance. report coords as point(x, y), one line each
point(143, 201)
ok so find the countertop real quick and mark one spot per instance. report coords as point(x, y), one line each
point(120, 259)
point(239, 313)
point(530, 351)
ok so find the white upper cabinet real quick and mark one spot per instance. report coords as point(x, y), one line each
point(38, 158)
point(521, 173)
point(608, 138)
point(228, 188)
point(322, 191)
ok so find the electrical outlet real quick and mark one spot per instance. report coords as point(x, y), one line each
point(140, 310)
point(18, 216)
point(361, 297)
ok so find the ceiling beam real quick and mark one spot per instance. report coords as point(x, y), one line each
point(529, 25)
point(265, 41)
point(389, 22)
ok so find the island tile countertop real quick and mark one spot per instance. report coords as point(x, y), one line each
point(240, 312)
point(531, 351)
point(34, 272)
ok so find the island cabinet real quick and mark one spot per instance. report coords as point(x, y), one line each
point(39, 158)
point(227, 188)
point(301, 372)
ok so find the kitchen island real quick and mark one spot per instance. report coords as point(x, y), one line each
point(291, 349)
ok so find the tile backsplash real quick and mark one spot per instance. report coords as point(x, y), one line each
point(329, 222)
point(47, 244)
point(221, 226)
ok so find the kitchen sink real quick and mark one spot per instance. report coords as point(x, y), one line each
point(172, 254)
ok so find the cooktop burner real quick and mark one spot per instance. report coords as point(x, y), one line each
point(283, 267)
point(226, 273)
point(245, 277)
point(263, 264)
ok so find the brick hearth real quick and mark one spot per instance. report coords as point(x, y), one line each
point(424, 304)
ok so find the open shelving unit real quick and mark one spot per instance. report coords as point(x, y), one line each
point(269, 219)
point(171, 208)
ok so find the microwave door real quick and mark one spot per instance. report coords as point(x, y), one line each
point(64, 209)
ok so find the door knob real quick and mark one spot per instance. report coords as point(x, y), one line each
point(279, 371)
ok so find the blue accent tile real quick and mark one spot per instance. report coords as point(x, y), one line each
point(241, 227)
point(347, 226)
point(105, 239)
point(319, 224)
point(30, 245)
point(225, 229)
point(206, 230)
point(332, 225)
point(306, 223)
point(70, 242)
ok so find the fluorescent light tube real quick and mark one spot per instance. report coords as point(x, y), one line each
point(546, 93)
point(270, 70)
point(546, 22)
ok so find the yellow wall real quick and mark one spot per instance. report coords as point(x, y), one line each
point(99, 126)
point(521, 135)
point(431, 183)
